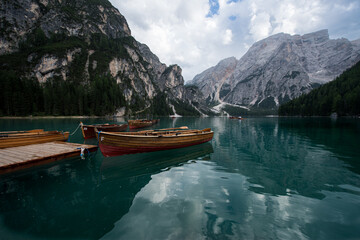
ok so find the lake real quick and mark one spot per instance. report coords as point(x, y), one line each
point(259, 178)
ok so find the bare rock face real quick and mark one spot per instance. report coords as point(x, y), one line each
point(95, 40)
point(277, 69)
point(154, 66)
point(172, 82)
point(72, 18)
point(219, 76)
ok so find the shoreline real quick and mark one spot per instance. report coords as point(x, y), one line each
point(43, 117)
point(248, 116)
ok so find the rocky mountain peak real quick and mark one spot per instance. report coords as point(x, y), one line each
point(316, 37)
point(277, 69)
point(356, 42)
point(226, 62)
point(214, 78)
point(84, 45)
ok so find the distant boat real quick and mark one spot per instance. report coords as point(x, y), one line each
point(22, 138)
point(232, 117)
point(141, 123)
point(115, 144)
point(88, 131)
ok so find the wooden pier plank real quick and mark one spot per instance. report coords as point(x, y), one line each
point(37, 151)
point(20, 155)
point(6, 161)
point(15, 157)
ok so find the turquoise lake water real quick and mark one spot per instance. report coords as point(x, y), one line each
point(259, 178)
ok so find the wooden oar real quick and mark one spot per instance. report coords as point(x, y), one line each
point(165, 129)
point(195, 131)
point(184, 131)
point(26, 131)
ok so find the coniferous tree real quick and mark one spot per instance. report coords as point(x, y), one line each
point(341, 96)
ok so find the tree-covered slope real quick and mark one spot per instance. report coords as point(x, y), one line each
point(341, 96)
point(79, 58)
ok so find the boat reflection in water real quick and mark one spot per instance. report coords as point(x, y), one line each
point(80, 199)
point(152, 163)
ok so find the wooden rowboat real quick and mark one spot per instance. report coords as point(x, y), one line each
point(22, 138)
point(115, 144)
point(88, 131)
point(13, 133)
point(141, 123)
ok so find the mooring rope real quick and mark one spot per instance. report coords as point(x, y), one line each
point(82, 152)
point(98, 138)
point(75, 130)
point(68, 140)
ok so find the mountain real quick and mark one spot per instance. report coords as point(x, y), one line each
point(340, 97)
point(277, 69)
point(64, 57)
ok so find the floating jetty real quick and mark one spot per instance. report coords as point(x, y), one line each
point(14, 158)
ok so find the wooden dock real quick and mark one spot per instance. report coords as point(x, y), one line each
point(25, 156)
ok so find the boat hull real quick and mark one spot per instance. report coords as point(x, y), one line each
point(88, 131)
point(140, 125)
point(27, 139)
point(115, 145)
point(134, 124)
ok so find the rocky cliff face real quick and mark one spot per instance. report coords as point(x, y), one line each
point(72, 18)
point(212, 80)
point(277, 69)
point(80, 41)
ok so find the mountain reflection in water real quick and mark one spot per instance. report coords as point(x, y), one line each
point(259, 178)
point(265, 180)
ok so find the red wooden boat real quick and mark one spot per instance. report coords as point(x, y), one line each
point(141, 123)
point(232, 117)
point(115, 144)
point(88, 131)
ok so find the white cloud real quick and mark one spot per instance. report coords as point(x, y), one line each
point(183, 32)
point(227, 37)
point(260, 25)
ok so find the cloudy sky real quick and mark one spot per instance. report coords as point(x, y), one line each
point(197, 34)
